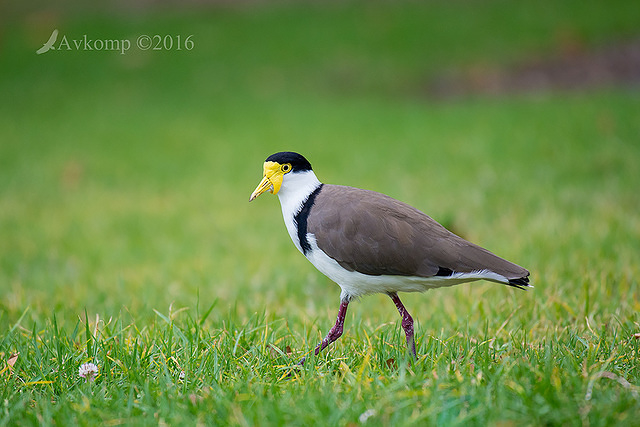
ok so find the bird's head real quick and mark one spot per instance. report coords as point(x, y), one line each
point(276, 167)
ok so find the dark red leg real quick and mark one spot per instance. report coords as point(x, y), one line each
point(407, 323)
point(335, 332)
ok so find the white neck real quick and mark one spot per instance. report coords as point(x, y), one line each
point(296, 188)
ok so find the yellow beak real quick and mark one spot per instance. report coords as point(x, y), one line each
point(264, 185)
point(271, 181)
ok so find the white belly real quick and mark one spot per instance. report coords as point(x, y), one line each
point(355, 284)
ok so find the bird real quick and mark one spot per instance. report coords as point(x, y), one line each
point(368, 242)
point(49, 44)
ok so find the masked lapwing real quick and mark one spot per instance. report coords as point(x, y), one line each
point(368, 242)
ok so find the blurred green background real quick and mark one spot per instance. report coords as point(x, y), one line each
point(124, 187)
point(124, 178)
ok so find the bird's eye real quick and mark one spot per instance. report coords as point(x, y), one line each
point(286, 168)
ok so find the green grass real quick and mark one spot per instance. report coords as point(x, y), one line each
point(124, 186)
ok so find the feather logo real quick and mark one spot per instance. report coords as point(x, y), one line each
point(49, 44)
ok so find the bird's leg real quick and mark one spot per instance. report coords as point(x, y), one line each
point(407, 322)
point(335, 332)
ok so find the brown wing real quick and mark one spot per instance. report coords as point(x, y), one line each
point(374, 234)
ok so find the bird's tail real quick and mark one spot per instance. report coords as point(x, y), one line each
point(520, 283)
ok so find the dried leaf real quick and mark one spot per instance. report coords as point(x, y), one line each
point(12, 360)
point(273, 350)
point(391, 363)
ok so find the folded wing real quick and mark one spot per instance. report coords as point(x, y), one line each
point(375, 234)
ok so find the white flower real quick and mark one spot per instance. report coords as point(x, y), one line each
point(366, 415)
point(88, 371)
